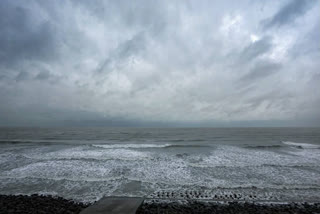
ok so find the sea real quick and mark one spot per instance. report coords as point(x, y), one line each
point(86, 164)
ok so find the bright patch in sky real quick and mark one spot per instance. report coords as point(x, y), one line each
point(254, 38)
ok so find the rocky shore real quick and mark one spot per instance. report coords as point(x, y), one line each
point(205, 207)
point(38, 204)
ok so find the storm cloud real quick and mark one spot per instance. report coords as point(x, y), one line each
point(288, 13)
point(159, 62)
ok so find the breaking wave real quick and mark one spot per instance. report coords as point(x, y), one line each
point(263, 146)
point(133, 146)
point(144, 146)
point(301, 145)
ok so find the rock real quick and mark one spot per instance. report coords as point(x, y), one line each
point(38, 204)
point(200, 207)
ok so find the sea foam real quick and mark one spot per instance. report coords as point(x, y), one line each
point(133, 146)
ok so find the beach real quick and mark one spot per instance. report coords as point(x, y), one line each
point(214, 207)
point(10, 204)
point(31, 204)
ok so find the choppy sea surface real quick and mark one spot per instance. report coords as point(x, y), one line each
point(86, 164)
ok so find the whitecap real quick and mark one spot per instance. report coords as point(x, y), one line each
point(301, 145)
point(133, 146)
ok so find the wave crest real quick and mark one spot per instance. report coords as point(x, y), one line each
point(301, 145)
point(144, 146)
point(133, 146)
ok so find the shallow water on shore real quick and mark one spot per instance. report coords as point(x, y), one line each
point(88, 163)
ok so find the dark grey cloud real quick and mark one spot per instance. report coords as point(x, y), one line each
point(308, 44)
point(260, 70)
point(23, 36)
point(22, 76)
point(256, 49)
point(288, 13)
point(158, 62)
point(150, 16)
point(130, 47)
point(45, 75)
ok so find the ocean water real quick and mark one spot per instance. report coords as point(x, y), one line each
point(223, 163)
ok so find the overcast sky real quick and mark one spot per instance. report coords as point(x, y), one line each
point(254, 62)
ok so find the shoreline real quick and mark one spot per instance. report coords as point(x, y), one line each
point(54, 204)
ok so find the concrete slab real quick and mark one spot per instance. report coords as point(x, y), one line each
point(115, 205)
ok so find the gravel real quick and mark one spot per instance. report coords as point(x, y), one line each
point(201, 207)
point(38, 204)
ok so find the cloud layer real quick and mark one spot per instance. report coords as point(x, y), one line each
point(196, 62)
